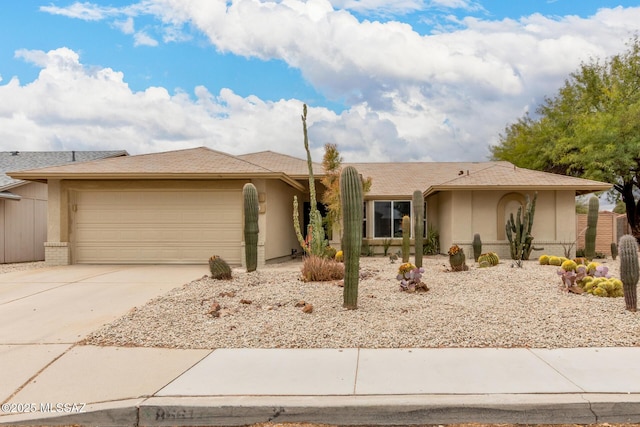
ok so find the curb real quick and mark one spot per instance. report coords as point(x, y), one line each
point(353, 410)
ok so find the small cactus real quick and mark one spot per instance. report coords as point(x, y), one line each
point(491, 258)
point(457, 259)
point(590, 235)
point(614, 250)
point(544, 260)
point(406, 237)
point(219, 268)
point(477, 247)
point(418, 226)
point(629, 270)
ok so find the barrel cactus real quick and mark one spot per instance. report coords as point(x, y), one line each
point(477, 247)
point(489, 259)
point(629, 271)
point(457, 259)
point(351, 200)
point(406, 238)
point(418, 226)
point(250, 196)
point(219, 268)
point(590, 235)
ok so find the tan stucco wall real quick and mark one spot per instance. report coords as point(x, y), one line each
point(462, 214)
point(280, 235)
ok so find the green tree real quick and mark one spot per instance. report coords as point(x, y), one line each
point(332, 164)
point(589, 129)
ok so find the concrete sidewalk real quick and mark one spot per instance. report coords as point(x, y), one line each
point(48, 379)
point(158, 387)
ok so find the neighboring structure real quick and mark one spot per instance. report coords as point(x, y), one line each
point(23, 204)
point(611, 226)
point(184, 206)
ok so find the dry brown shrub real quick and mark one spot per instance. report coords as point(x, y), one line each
point(318, 269)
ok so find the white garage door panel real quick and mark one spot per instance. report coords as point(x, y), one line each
point(157, 226)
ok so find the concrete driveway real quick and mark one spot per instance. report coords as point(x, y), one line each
point(43, 312)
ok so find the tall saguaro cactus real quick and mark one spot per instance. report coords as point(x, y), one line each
point(316, 242)
point(250, 196)
point(519, 231)
point(629, 270)
point(352, 200)
point(592, 223)
point(418, 226)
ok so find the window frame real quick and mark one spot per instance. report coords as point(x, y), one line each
point(392, 230)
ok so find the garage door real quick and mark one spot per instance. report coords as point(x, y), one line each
point(156, 226)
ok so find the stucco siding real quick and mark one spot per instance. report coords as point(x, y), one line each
point(280, 235)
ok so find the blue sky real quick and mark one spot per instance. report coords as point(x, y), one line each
point(385, 80)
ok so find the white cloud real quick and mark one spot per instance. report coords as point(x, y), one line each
point(412, 96)
point(85, 11)
point(126, 26)
point(71, 106)
point(141, 38)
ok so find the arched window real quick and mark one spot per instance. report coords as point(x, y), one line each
point(508, 204)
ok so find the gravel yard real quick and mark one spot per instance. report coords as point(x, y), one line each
point(499, 306)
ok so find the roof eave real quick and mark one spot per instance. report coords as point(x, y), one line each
point(578, 189)
point(157, 176)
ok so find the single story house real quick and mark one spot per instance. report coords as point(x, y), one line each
point(23, 204)
point(184, 206)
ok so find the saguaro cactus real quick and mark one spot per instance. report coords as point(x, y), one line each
point(250, 196)
point(316, 241)
point(629, 271)
point(477, 247)
point(352, 200)
point(590, 235)
point(418, 226)
point(519, 231)
point(406, 238)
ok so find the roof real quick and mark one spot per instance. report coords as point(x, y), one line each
point(292, 166)
point(389, 180)
point(193, 163)
point(511, 177)
point(394, 180)
point(24, 160)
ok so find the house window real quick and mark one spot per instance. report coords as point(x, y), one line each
point(388, 217)
point(364, 220)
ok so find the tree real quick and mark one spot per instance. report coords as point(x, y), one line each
point(589, 129)
point(332, 163)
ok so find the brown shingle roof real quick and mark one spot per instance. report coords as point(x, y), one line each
point(292, 166)
point(395, 180)
point(200, 160)
point(389, 180)
point(510, 177)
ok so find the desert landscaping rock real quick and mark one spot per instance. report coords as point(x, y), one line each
point(501, 306)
